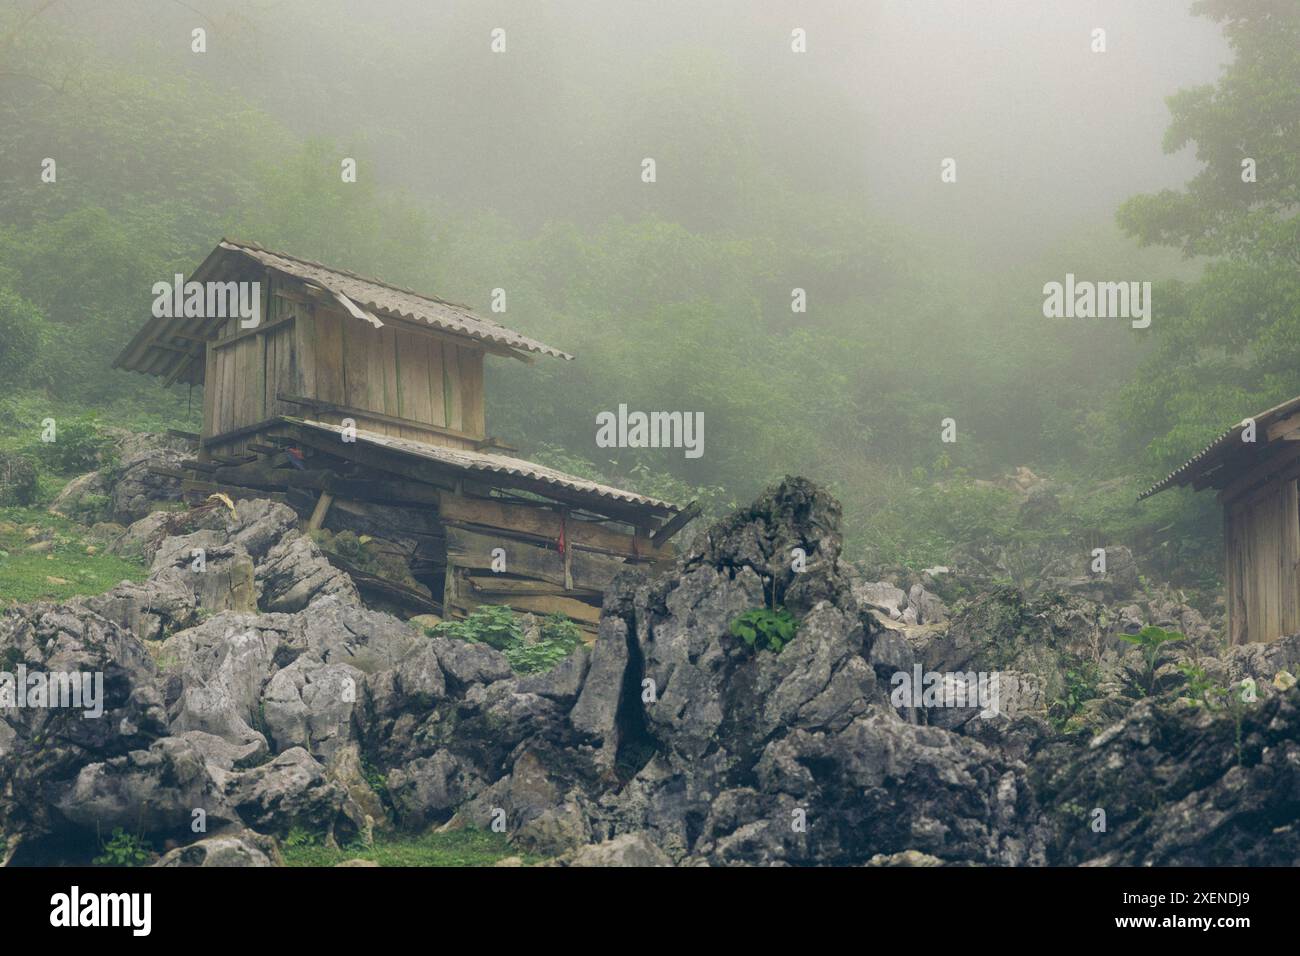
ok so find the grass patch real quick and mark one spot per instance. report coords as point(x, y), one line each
point(457, 848)
point(44, 557)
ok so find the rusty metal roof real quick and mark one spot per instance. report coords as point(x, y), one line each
point(1214, 455)
point(518, 472)
point(171, 347)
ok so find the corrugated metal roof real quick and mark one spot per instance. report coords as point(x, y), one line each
point(172, 347)
point(500, 465)
point(1210, 455)
point(388, 299)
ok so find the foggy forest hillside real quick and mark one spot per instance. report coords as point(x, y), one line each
point(776, 170)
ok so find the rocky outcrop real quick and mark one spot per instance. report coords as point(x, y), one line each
point(44, 749)
point(239, 849)
point(136, 491)
point(265, 700)
point(744, 756)
point(1175, 784)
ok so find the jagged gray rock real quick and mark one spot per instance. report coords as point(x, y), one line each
point(669, 741)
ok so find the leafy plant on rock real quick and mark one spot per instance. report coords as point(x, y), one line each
point(1151, 640)
point(491, 624)
point(498, 627)
point(761, 628)
point(123, 849)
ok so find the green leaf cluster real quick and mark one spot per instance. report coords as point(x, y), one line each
point(764, 629)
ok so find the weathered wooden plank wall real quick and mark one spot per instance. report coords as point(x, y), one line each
point(1262, 566)
point(329, 356)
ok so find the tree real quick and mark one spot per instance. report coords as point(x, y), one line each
point(1229, 343)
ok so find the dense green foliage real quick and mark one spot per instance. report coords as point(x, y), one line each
point(499, 627)
point(1227, 345)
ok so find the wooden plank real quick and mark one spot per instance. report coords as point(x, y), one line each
point(356, 365)
point(569, 607)
point(1285, 429)
point(1289, 531)
point(241, 334)
point(1229, 576)
point(676, 523)
point(474, 418)
point(318, 513)
point(437, 383)
point(1250, 576)
point(419, 430)
point(388, 356)
point(304, 354)
point(449, 594)
point(211, 388)
point(330, 384)
point(278, 370)
point(376, 458)
point(495, 584)
point(373, 340)
point(283, 375)
point(229, 381)
point(413, 378)
point(1267, 560)
point(454, 402)
point(1240, 605)
point(269, 347)
point(238, 402)
point(235, 434)
point(167, 472)
point(589, 571)
point(547, 523)
point(250, 385)
point(232, 491)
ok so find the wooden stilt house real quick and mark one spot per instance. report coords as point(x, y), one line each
point(1255, 466)
point(356, 401)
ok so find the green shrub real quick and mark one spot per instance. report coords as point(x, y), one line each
point(19, 480)
point(1080, 687)
point(490, 624)
point(79, 446)
point(123, 849)
point(299, 837)
point(21, 324)
point(559, 637)
point(498, 627)
point(761, 628)
point(90, 508)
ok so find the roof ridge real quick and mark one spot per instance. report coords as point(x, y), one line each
point(245, 244)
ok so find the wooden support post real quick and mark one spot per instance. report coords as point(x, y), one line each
point(675, 524)
point(322, 507)
point(448, 589)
